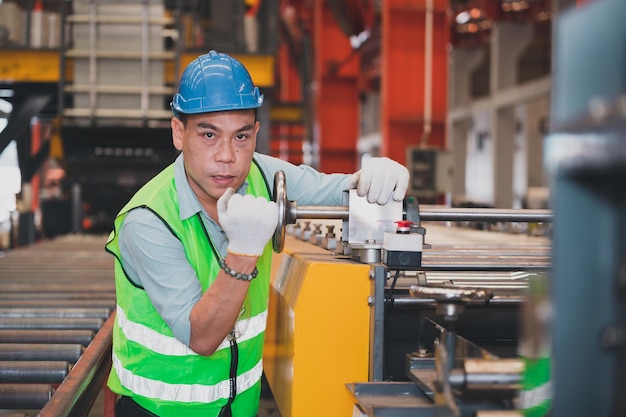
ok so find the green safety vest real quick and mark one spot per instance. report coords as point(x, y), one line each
point(159, 372)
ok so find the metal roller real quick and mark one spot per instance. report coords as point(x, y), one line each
point(495, 215)
point(483, 266)
point(488, 375)
point(29, 295)
point(52, 303)
point(101, 313)
point(400, 302)
point(289, 212)
point(434, 214)
point(51, 323)
point(24, 396)
point(83, 337)
point(40, 352)
point(53, 372)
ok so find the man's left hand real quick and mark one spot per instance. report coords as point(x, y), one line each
point(381, 179)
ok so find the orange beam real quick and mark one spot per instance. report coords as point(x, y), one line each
point(287, 138)
point(35, 145)
point(403, 88)
point(335, 93)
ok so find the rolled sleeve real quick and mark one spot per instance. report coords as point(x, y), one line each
point(155, 260)
point(305, 185)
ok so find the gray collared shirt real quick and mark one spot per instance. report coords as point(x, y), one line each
point(155, 259)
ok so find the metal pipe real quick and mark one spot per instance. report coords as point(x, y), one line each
point(52, 372)
point(101, 313)
point(437, 214)
point(428, 73)
point(321, 212)
point(24, 396)
point(41, 352)
point(488, 375)
point(145, 60)
point(485, 215)
point(83, 337)
point(50, 323)
point(93, 71)
point(497, 301)
point(482, 267)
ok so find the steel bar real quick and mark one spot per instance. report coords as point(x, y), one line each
point(489, 374)
point(76, 395)
point(321, 212)
point(50, 323)
point(438, 214)
point(24, 396)
point(101, 313)
point(484, 267)
point(405, 302)
point(485, 215)
point(40, 352)
point(83, 337)
point(52, 372)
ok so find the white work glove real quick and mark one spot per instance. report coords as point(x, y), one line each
point(379, 179)
point(248, 221)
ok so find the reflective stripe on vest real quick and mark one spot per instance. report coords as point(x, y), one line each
point(186, 393)
point(166, 345)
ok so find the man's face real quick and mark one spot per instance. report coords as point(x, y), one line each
point(217, 149)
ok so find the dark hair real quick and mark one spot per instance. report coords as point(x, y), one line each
point(183, 117)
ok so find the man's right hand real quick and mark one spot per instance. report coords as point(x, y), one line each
point(248, 221)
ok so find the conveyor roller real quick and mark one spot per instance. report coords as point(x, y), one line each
point(57, 303)
point(24, 396)
point(40, 352)
point(52, 372)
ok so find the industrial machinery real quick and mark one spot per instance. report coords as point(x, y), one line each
point(399, 316)
point(89, 85)
point(57, 302)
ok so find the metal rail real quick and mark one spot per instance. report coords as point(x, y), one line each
point(289, 212)
point(77, 393)
point(437, 214)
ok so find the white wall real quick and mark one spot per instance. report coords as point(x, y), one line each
point(479, 165)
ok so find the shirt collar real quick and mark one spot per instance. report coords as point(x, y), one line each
point(188, 202)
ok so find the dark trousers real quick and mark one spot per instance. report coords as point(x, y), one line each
point(126, 407)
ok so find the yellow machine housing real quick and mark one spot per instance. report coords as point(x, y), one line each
point(318, 330)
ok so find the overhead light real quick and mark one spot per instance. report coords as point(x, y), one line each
point(357, 40)
point(463, 17)
point(5, 92)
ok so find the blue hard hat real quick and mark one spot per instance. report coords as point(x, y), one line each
point(215, 82)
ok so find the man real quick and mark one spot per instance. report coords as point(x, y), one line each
point(192, 254)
